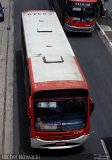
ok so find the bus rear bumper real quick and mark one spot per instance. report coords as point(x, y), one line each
point(59, 144)
point(70, 28)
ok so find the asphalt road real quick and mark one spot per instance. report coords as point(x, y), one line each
point(96, 62)
point(108, 5)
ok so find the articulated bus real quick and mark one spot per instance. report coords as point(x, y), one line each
point(59, 105)
point(77, 15)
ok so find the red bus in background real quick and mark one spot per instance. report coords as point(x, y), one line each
point(77, 15)
point(59, 104)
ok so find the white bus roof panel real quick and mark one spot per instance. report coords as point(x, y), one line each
point(52, 57)
point(55, 69)
point(41, 28)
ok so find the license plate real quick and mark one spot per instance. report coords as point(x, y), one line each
point(60, 143)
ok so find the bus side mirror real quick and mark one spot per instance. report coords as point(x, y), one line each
point(29, 108)
point(91, 106)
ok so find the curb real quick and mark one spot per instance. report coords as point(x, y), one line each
point(8, 124)
point(3, 70)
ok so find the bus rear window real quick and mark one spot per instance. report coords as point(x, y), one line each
point(60, 115)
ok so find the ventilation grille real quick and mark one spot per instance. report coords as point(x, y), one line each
point(53, 59)
point(44, 29)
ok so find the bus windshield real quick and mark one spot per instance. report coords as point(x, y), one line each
point(82, 12)
point(60, 114)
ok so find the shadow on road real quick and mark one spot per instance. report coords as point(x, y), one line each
point(79, 34)
point(22, 107)
point(56, 152)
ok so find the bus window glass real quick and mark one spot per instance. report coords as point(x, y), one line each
point(89, 12)
point(60, 114)
point(82, 12)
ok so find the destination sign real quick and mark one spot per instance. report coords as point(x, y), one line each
point(81, 4)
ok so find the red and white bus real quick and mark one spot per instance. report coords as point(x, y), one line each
point(77, 15)
point(59, 105)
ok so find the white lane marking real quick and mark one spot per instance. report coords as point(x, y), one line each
point(105, 149)
point(110, 43)
point(104, 34)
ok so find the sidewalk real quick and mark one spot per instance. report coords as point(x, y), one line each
point(6, 79)
point(105, 26)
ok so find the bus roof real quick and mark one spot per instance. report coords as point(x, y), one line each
point(50, 56)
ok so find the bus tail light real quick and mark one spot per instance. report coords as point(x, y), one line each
point(29, 108)
point(29, 113)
